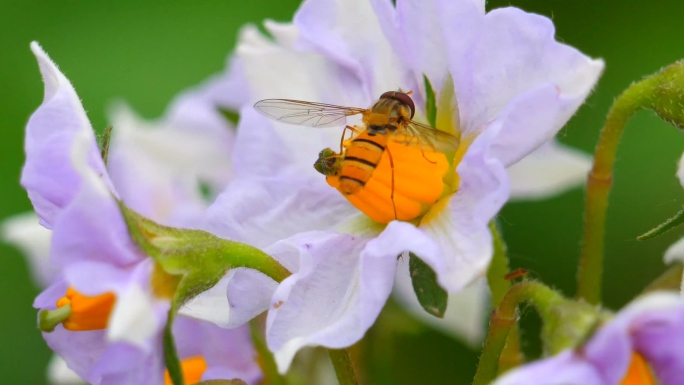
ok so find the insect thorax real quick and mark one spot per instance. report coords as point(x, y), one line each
point(386, 115)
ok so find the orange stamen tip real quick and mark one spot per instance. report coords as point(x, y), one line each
point(86, 312)
point(638, 373)
point(193, 369)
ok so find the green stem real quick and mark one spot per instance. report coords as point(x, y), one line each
point(344, 367)
point(511, 356)
point(266, 361)
point(49, 319)
point(503, 320)
point(599, 183)
point(171, 359)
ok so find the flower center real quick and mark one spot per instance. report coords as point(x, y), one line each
point(408, 185)
point(638, 373)
point(78, 312)
point(193, 369)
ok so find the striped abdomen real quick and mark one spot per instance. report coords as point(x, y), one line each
point(360, 159)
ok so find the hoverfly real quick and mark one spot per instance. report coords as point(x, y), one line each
point(388, 119)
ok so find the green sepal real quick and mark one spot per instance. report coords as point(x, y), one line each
point(664, 227)
point(432, 297)
point(230, 115)
point(194, 260)
point(666, 98)
point(430, 103)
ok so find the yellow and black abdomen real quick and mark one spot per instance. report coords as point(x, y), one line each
point(360, 160)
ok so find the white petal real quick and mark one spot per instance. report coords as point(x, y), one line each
point(680, 170)
point(137, 316)
point(211, 305)
point(58, 373)
point(25, 233)
point(550, 170)
point(675, 253)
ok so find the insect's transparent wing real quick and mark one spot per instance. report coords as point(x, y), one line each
point(306, 113)
point(418, 133)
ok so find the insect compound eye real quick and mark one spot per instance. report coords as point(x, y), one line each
point(402, 97)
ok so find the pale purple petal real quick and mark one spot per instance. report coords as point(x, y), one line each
point(347, 31)
point(659, 336)
point(159, 167)
point(91, 227)
point(320, 303)
point(261, 211)
point(563, 369)
point(513, 61)
point(460, 225)
point(550, 170)
point(299, 76)
point(25, 233)
point(49, 176)
point(198, 108)
point(229, 353)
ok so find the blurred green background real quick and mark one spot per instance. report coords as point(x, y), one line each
point(146, 52)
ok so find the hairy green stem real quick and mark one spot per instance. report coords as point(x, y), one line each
point(266, 361)
point(171, 359)
point(344, 367)
point(599, 183)
point(503, 320)
point(511, 356)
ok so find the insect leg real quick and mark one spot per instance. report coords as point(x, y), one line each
point(350, 128)
point(422, 150)
point(394, 207)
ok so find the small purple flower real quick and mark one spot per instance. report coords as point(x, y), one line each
point(651, 328)
point(511, 86)
point(119, 340)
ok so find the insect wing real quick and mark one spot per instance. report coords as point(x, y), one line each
point(418, 133)
point(308, 114)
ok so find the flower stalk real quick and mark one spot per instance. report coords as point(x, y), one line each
point(663, 93)
point(511, 355)
point(505, 317)
point(344, 367)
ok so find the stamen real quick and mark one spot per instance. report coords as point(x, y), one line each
point(639, 372)
point(193, 369)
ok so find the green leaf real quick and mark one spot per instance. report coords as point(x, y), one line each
point(430, 295)
point(664, 227)
point(230, 115)
point(430, 103)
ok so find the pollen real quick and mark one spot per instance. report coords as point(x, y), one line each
point(87, 313)
point(410, 184)
point(639, 372)
point(193, 369)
